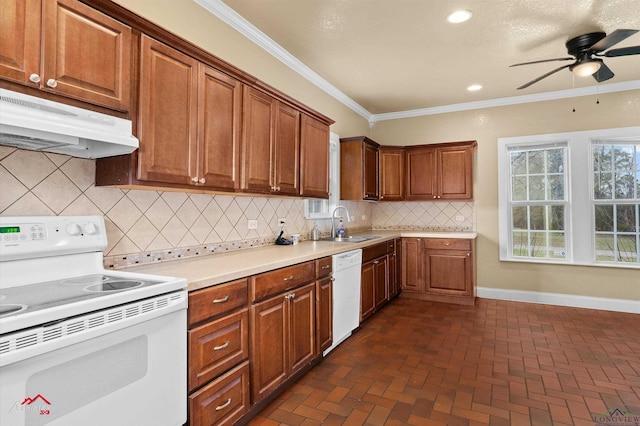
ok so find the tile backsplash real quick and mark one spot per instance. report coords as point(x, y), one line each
point(151, 226)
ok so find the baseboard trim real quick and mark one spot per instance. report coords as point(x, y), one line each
point(602, 303)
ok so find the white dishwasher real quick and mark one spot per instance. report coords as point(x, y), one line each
point(346, 295)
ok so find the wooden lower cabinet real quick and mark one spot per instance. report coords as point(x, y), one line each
point(439, 269)
point(282, 338)
point(395, 269)
point(223, 401)
point(376, 279)
point(324, 304)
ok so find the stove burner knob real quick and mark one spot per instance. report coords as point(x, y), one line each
point(91, 229)
point(73, 229)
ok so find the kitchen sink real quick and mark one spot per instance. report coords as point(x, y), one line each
point(351, 238)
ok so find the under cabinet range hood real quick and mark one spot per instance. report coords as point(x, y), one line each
point(29, 122)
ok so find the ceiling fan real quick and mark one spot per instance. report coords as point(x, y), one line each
point(586, 51)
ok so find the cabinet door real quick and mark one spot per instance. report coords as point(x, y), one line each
point(455, 176)
point(412, 264)
point(324, 313)
point(302, 330)
point(314, 158)
point(391, 174)
point(167, 116)
point(20, 46)
point(287, 150)
point(421, 172)
point(370, 172)
point(219, 115)
point(448, 272)
point(367, 283)
point(87, 54)
point(269, 346)
point(398, 261)
point(259, 111)
point(381, 282)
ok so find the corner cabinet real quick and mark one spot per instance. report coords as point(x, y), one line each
point(439, 269)
point(442, 171)
point(359, 169)
point(67, 48)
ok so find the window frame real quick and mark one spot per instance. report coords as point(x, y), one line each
point(579, 193)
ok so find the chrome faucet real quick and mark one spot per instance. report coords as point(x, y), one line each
point(333, 219)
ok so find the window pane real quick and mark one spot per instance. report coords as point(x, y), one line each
point(626, 218)
point(601, 158)
point(538, 244)
point(602, 186)
point(536, 188)
point(519, 217)
point(604, 248)
point(538, 217)
point(519, 189)
point(604, 218)
point(624, 185)
point(520, 243)
point(518, 162)
point(557, 245)
point(536, 161)
point(556, 187)
point(627, 249)
point(556, 218)
point(555, 160)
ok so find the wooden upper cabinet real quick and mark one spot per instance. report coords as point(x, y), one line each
point(314, 158)
point(391, 173)
point(443, 171)
point(359, 169)
point(219, 126)
point(67, 48)
point(167, 117)
point(270, 145)
point(20, 46)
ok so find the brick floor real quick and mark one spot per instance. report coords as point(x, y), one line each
point(496, 363)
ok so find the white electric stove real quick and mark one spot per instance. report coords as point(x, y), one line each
point(80, 344)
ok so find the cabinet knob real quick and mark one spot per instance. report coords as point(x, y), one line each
point(468, 254)
point(223, 406)
point(194, 179)
point(34, 78)
point(52, 83)
point(202, 180)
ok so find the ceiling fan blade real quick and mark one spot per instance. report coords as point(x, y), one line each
point(524, 86)
point(543, 60)
point(614, 38)
point(603, 74)
point(624, 51)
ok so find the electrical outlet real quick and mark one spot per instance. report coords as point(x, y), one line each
point(252, 224)
point(281, 221)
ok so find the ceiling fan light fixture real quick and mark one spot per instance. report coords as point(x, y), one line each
point(459, 16)
point(587, 68)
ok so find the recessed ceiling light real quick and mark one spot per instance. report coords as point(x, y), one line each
point(459, 16)
point(474, 87)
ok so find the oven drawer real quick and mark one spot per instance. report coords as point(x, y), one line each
point(216, 300)
point(280, 280)
point(216, 346)
point(447, 244)
point(223, 401)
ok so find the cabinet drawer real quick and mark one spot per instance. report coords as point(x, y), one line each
point(323, 267)
point(447, 243)
point(372, 252)
point(222, 401)
point(280, 280)
point(216, 346)
point(216, 300)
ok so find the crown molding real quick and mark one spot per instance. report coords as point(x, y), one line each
point(244, 27)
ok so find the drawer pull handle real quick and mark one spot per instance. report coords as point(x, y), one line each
point(289, 278)
point(223, 346)
point(326, 267)
point(221, 300)
point(223, 406)
point(375, 262)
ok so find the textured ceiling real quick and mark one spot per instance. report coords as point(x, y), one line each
point(398, 55)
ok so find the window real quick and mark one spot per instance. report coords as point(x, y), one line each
point(571, 197)
point(321, 209)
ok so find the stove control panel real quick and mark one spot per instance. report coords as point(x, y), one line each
point(24, 237)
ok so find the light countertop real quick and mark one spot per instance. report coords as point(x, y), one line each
point(207, 270)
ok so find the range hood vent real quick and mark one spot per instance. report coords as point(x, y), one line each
point(33, 123)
